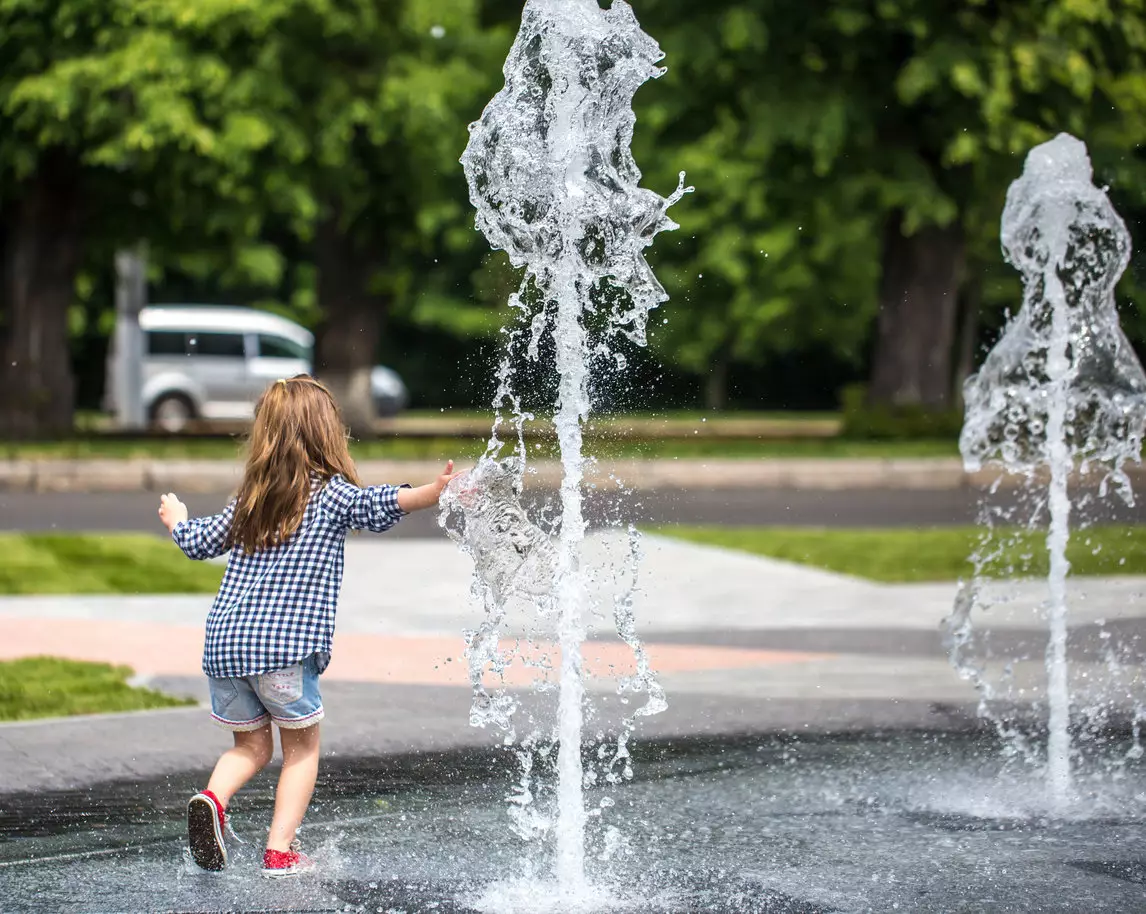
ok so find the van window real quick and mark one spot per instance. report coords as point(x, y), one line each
point(166, 342)
point(226, 345)
point(278, 347)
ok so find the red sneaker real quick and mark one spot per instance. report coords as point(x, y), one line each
point(205, 824)
point(285, 863)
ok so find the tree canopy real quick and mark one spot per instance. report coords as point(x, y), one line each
point(850, 160)
point(832, 144)
point(262, 145)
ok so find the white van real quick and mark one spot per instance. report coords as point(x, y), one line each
point(213, 362)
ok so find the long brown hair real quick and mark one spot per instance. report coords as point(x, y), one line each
point(297, 437)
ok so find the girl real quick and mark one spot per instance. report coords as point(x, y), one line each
point(270, 629)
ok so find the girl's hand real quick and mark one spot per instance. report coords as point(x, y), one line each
point(426, 496)
point(444, 479)
point(171, 511)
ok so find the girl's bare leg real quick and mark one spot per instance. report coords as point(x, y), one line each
point(236, 766)
point(296, 784)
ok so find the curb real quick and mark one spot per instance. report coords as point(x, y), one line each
point(118, 475)
point(824, 474)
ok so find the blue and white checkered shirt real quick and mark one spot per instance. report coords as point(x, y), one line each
point(276, 607)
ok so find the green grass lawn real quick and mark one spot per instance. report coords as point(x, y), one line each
point(131, 563)
point(52, 687)
point(468, 449)
point(938, 554)
point(93, 564)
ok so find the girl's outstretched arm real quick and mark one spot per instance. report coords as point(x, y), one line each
point(378, 508)
point(426, 496)
point(201, 538)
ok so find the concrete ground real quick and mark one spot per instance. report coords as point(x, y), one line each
point(740, 643)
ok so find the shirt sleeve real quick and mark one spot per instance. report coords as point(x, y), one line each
point(373, 508)
point(204, 537)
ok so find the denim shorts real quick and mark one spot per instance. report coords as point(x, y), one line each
point(289, 697)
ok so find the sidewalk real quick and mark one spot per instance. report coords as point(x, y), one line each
point(741, 644)
point(829, 474)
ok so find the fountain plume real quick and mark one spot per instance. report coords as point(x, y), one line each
point(1061, 391)
point(556, 187)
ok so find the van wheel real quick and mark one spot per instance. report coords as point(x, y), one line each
point(172, 413)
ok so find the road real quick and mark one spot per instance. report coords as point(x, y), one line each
point(135, 511)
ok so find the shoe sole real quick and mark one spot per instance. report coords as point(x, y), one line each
point(281, 874)
point(204, 835)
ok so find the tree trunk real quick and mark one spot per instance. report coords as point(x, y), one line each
point(919, 295)
point(352, 323)
point(968, 334)
point(40, 246)
point(716, 383)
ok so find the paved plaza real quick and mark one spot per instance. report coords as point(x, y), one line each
point(819, 754)
point(742, 644)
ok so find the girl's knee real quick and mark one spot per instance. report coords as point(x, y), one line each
point(258, 744)
point(299, 742)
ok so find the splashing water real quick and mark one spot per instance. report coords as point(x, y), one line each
point(1061, 390)
point(511, 554)
point(556, 187)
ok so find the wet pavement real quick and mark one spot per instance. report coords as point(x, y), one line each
point(927, 823)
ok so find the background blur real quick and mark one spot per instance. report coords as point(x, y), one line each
point(850, 159)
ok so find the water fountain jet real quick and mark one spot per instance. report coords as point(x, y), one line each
point(1061, 390)
point(556, 187)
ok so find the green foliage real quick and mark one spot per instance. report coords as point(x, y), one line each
point(227, 131)
point(34, 687)
point(175, 118)
point(223, 132)
point(937, 554)
point(762, 263)
point(805, 125)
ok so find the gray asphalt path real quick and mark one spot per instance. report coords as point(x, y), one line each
point(135, 511)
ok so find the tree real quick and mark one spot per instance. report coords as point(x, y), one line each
point(382, 89)
point(886, 129)
point(771, 257)
point(119, 120)
point(974, 88)
point(229, 135)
